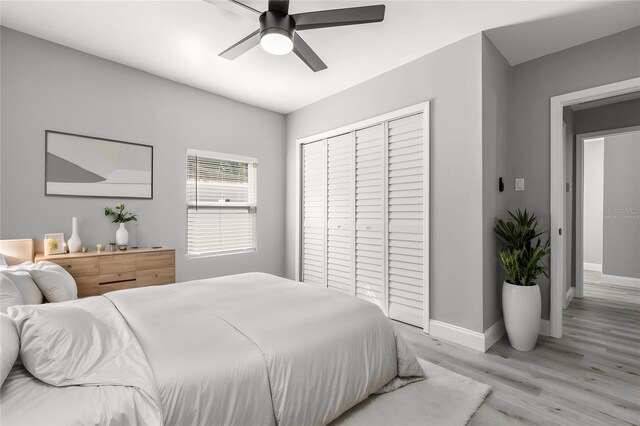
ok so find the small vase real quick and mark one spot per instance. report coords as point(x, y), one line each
point(74, 244)
point(122, 235)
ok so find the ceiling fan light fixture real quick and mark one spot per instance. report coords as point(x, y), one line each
point(279, 31)
point(276, 41)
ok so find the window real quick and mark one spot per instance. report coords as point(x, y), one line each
point(221, 203)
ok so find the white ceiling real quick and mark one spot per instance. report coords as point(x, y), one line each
point(180, 39)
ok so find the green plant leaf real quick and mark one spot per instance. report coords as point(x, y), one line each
point(524, 251)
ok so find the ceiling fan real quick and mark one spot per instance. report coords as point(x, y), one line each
point(278, 32)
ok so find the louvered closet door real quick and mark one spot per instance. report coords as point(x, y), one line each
point(314, 220)
point(369, 204)
point(339, 213)
point(406, 219)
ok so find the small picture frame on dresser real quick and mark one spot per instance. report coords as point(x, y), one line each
point(54, 243)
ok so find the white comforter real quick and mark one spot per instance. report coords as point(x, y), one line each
point(94, 373)
point(255, 349)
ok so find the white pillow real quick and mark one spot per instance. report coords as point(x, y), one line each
point(9, 293)
point(2, 261)
point(54, 281)
point(9, 345)
point(31, 294)
point(61, 343)
point(24, 266)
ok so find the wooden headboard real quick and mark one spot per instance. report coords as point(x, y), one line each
point(17, 251)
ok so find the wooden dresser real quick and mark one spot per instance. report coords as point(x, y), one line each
point(98, 273)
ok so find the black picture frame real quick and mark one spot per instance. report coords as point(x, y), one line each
point(52, 184)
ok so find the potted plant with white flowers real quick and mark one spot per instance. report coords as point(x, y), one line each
point(119, 215)
point(522, 259)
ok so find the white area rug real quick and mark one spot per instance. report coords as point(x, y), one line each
point(445, 398)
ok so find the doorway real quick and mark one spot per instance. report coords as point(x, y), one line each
point(558, 188)
point(617, 211)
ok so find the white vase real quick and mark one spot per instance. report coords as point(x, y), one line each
point(521, 306)
point(74, 244)
point(122, 236)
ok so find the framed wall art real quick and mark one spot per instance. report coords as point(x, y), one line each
point(86, 166)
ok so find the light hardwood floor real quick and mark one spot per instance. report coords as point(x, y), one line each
point(589, 377)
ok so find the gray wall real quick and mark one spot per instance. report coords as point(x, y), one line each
point(593, 201)
point(599, 62)
point(621, 242)
point(48, 86)
point(496, 88)
point(451, 79)
point(607, 117)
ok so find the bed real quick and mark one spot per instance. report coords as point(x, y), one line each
point(244, 349)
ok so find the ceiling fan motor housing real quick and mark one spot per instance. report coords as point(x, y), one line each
point(277, 22)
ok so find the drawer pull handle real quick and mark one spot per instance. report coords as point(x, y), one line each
point(116, 282)
point(368, 227)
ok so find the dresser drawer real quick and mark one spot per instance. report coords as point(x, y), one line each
point(101, 284)
point(88, 286)
point(117, 264)
point(157, 277)
point(156, 260)
point(79, 267)
point(118, 277)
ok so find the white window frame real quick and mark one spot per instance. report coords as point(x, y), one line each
point(251, 203)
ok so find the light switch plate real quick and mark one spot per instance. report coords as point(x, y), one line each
point(520, 184)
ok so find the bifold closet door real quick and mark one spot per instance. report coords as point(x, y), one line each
point(340, 213)
point(406, 219)
point(314, 213)
point(369, 205)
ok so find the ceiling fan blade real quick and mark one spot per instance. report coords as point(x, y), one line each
point(236, 7)
point(308, 56)
point(279, 6)
point(339, 17)
point(243, 46)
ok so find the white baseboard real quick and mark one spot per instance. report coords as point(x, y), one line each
point(545, 327)
point(465, 337)
point(455, 334)
point(593, 266)
point(621, 281)
point(568, 297)
point(493, 334)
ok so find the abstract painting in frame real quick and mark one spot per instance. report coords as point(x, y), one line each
point(86, 166)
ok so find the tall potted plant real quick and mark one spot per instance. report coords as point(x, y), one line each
point(521, 258)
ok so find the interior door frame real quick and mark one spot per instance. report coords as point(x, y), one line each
point(423, 108)
point(557, 186)
point(579, 191)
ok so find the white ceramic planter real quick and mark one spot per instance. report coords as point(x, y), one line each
point(521, 307)
point(122, 236)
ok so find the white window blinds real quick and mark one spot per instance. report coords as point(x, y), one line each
point(221, 203)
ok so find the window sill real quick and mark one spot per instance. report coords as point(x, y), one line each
point(217, 254)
